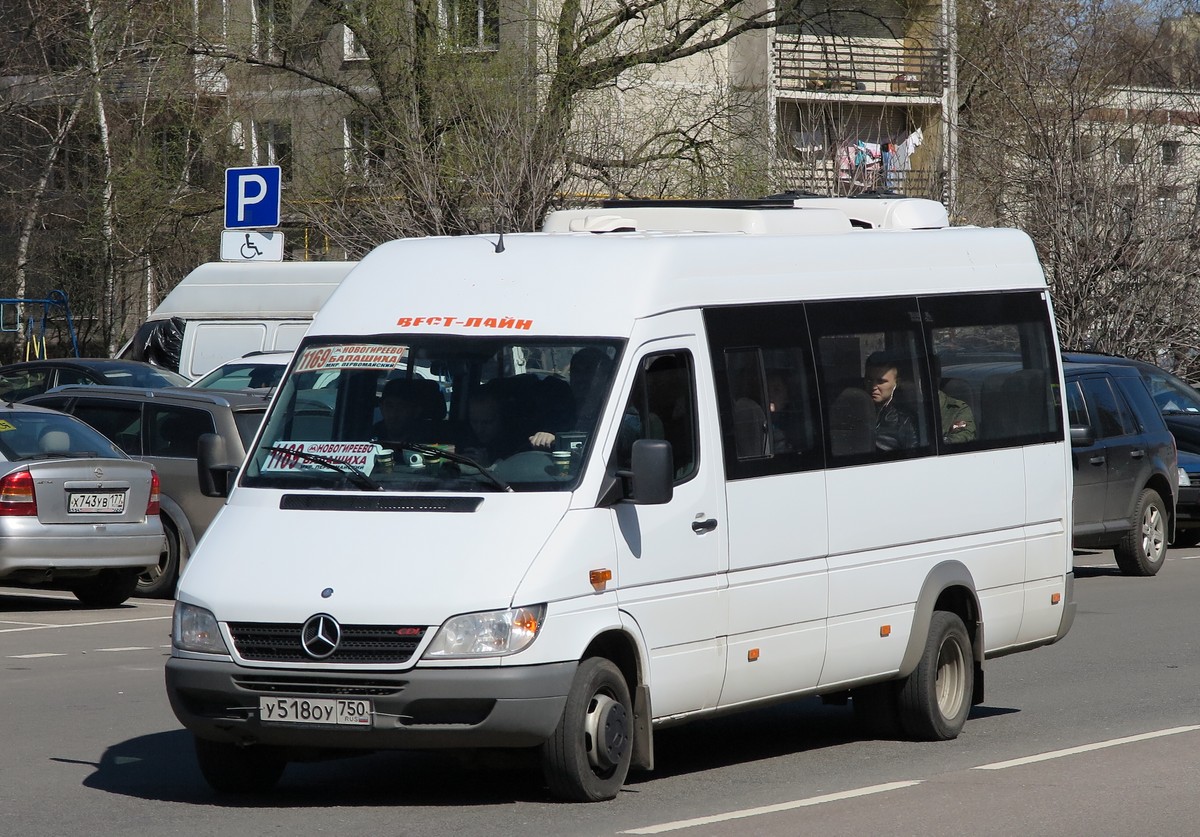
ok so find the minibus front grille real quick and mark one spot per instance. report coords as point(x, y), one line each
point(273, 642)
point(368, 503)
point(320, 686)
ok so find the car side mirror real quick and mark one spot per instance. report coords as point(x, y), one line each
point(1082, 436)
point(213, 467)
point(652, 472)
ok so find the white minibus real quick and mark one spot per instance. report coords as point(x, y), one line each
point(644, 476)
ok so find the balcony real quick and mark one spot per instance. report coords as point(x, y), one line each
point(857, 67)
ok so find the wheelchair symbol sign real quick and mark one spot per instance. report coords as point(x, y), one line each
point(251, 246)
point(252, 197)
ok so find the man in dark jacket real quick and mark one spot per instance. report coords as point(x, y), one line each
point(894, 426)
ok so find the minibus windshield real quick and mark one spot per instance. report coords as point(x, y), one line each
point(433, 413)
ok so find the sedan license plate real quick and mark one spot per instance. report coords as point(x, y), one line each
point(319, 711)
point(96, 502)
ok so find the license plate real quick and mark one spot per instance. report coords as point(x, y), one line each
point(322, 711)
point(96, 502)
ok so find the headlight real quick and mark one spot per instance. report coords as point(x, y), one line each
point(1184, 479)
point(493, 633)
point(196, 629)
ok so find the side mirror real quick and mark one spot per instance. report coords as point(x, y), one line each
point(652, 472)
point(213, 467)
point(1082, 436)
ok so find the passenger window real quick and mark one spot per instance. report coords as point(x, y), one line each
point(1077, 414)
point(72, 376)
point(871, 365)
point(18, 385)
point(993, 361)
point(662, 405)
point(1112, 417)
point(174, 431)
point(120, 423)
point(765, 389)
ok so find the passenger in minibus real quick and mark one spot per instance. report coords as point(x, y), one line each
point(407, 406)
point(895, 428)
point(492, 437)
point(589, 373)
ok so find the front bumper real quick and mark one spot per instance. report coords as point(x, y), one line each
point(516, 706)
point(1187, 506)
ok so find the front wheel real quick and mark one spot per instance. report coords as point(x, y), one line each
point(1144, 547)
point(107, 588)
point(588, 756)
point(936, 698)
point(229, 768)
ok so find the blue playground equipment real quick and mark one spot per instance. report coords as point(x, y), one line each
point(55, 304)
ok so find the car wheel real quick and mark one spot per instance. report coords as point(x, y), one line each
point(1186, 538)
point(108, 588)
point(588, 756)
point(158, 582)
point(936, 698)
point(1144, 547)
point(229, 768)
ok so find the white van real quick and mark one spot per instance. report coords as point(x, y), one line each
point(674, 474)
point(224, 310)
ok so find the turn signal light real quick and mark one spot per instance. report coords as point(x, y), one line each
point(16, 495)
point(1055, 598)
point(600, 578)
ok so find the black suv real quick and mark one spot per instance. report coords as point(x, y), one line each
point(161, 426)
point(1124, 458)
point(1179, 403)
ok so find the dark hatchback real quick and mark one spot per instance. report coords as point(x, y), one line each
point(1125, 465)
point(1179, 404)
point(19, 381)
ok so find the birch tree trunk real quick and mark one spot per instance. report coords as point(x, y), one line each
point(107, 225)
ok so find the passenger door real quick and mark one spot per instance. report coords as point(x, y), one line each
point(670, 556)
point(1106, 471)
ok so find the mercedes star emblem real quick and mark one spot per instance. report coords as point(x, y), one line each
point(320, 636)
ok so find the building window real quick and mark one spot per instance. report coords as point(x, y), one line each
point(471, 24)
point(1126, 149)
point(364, 147)
point(273, 146)
point(269, 21)
point(352, 49)
point(1171, 150)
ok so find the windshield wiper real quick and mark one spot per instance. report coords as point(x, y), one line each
point(356, 475)
point(454, 456)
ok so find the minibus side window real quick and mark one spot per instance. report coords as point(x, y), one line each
point(662, 405)
point(766, 390)
point(993, 354)
point(874, 379)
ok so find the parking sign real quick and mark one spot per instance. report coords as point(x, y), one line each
point(252, 196)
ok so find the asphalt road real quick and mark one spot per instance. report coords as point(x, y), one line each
point(1098, 735)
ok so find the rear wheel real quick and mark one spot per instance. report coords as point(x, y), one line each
point(158, 582)
point(588, 756)
point(935, 699)
point(1144, 547)
point(108, 588)
point(229, 768)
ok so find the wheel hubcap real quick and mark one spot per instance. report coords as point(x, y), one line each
point(607, 729)
point(1153, 536)
point(951, 679)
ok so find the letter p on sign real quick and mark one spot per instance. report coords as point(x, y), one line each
point(252, 196)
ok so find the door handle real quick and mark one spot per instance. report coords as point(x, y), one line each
point(702, 526)
point(1137, 453)
point(1097, 460)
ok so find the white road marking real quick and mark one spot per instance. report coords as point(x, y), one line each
point(1086, 748)
point(771, 809)
point(34, 656)
point(87, 624)
point(15, 622)
point(128, 648)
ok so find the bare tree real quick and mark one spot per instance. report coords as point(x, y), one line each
point(1060, 135)
point(483, 125)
